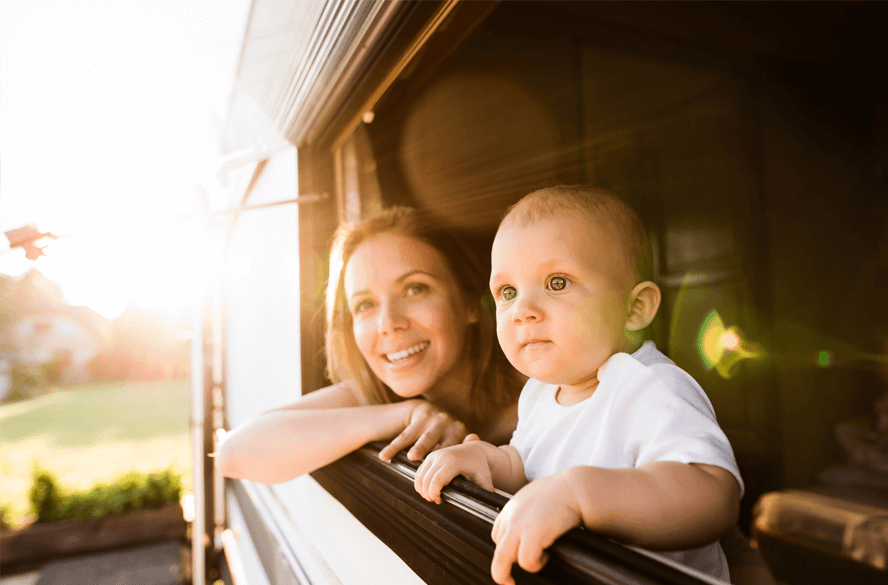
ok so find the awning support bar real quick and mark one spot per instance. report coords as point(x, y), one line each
point(309, 198)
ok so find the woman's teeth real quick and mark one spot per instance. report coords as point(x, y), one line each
point(405, 353)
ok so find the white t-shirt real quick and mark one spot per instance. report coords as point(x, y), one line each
point(645, 409)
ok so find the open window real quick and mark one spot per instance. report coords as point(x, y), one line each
point(713, 122)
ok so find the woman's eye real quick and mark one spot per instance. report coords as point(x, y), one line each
point(508, 293)
point(416, 288)
point(557, 283)
point(361, 307)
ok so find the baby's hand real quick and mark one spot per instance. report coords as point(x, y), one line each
point(440, 467)
point(530, 522)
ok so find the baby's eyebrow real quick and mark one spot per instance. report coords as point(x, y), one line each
point(496, 279)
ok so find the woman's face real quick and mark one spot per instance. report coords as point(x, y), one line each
point(409, 317)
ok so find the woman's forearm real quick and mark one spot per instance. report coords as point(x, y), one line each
point(277, 446)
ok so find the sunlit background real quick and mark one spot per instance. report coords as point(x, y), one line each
point(110, 116)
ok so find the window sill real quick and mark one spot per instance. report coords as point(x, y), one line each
point(450, 543)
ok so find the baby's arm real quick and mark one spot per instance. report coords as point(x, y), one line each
point(480, 462)
point(661, 505)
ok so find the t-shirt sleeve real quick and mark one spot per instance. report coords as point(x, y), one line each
point(675, 421)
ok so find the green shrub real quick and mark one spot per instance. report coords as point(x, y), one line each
point(130, 492)
point(44, 495)
point(5, 518)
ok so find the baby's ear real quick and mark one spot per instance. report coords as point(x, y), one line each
point(644, 301)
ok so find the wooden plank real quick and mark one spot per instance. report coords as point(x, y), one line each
point(38, 543)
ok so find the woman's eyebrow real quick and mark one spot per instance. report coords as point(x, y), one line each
point(407, 275)
point(358, 293)
point(399, 280)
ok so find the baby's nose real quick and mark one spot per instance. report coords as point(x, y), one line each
point(525, 310)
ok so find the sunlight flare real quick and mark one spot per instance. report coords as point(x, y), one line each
point(723, 348)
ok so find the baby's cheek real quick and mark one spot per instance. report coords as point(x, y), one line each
point(510, 348)
point(502, 333)
point(507, 342)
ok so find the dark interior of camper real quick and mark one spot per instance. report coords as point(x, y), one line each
point(752, 139)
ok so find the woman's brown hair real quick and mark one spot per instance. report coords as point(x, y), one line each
point(495, 384)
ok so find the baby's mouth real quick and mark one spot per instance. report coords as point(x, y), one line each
point(402, 355)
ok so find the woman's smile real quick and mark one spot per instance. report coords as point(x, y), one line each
point(408, 316)
point(400, 357)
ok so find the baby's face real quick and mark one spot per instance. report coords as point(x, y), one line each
point(561, 289)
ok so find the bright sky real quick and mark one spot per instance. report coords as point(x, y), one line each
point(110, 113)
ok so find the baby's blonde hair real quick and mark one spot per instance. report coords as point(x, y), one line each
point(595, 204)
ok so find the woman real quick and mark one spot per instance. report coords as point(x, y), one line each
point(411, 349)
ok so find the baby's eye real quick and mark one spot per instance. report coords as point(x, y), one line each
point(508, 293)
point(557, 283)
point(416, 288)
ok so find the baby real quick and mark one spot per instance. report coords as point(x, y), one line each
point(611, 434)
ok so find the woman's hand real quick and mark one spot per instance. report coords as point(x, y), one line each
point(427, 427)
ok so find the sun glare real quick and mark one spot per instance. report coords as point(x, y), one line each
point(110, 117)
point(152, 264)
point(723, 348)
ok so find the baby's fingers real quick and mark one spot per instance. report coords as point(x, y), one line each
point(503, 558)
point(531, 556)
point(497, 531)
point(442, 476)
point(425, 482)
point(420, 482)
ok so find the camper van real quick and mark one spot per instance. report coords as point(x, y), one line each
point(752, 138)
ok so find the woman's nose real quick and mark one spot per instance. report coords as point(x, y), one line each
point(392, 317)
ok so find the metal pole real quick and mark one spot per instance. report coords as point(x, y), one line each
point(206, 262)
point(198, 566)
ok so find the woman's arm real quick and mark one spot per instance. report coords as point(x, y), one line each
point(317, 429)
point(321, 427)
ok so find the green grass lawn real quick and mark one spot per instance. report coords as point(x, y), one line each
point(92, 433)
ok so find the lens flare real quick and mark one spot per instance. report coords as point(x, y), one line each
point(709, 341)
point(722, 348)
point(730, 340)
